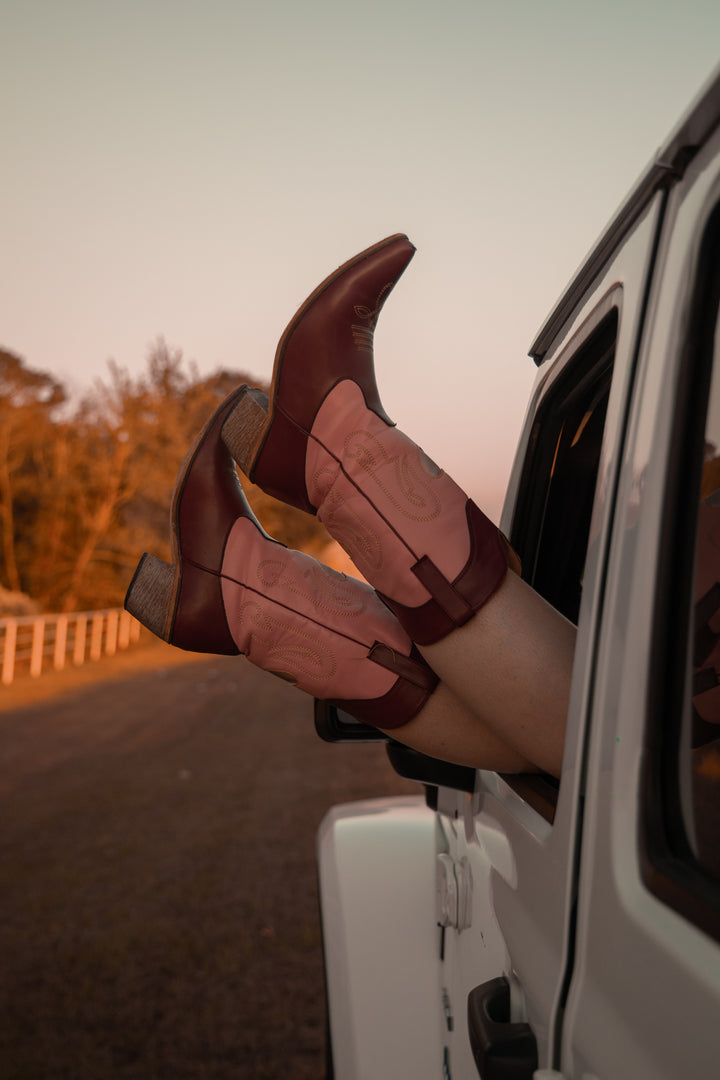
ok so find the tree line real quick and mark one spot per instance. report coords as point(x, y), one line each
point(85, 487)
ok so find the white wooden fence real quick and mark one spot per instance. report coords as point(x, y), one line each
point(31, 644)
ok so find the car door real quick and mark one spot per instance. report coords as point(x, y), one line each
point(644, 998)
point(513, 843)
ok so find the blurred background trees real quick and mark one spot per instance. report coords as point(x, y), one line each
point(86, 487)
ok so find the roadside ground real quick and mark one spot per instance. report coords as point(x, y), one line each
point(158, 911)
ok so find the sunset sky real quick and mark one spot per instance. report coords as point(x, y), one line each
point(193, 170)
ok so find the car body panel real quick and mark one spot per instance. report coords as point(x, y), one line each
point(614, 982)
point(377, 884)
point(669, 967)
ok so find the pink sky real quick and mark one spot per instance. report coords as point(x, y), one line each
point(194, 170)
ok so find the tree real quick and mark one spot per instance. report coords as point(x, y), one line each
point(28, 401)
point(84, 493)
point(129, 437)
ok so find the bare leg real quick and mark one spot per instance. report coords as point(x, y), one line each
point(446, 728)
point(511, 666)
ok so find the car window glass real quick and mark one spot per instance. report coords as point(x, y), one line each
point(552, 521)
point(551, 528)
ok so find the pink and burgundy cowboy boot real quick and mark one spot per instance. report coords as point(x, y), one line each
point(323, 442)
point(233, 589)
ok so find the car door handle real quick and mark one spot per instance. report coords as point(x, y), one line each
point(503, 1050)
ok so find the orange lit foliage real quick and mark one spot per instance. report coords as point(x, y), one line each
point(84, 492)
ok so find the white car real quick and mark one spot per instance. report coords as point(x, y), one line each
point(516, 926)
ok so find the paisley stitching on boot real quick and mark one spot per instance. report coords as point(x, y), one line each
point(300, 658)
point(321, 482)
point(355, 536)
point(420, 503)
point(324, 588)
point(352, 633)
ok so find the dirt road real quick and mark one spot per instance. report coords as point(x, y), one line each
point(158, 911)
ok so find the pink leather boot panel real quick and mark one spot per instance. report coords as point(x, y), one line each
point(294, 617)
point(390, 504)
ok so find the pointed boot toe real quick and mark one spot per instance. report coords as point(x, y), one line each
point(329, 339)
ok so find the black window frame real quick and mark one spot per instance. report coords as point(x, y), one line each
point(585, 376)
point(585, 380)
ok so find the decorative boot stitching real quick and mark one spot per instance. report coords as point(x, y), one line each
point(417, 501)
point(364, 534)
point(370, 315)
point(354, 535)
point(262, 597)
point(321, 482)
point(363, 335)
point(323, 588)
point(362, 338)
point(294, 658)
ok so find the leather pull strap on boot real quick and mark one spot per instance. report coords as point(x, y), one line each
point(323, 442)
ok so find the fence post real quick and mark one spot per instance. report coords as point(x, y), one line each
point(96, 634)
point(124, 630)
point(80, 638)
point(111, 634)
point(38, 644)
point(8, 667)
point(61, 627)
